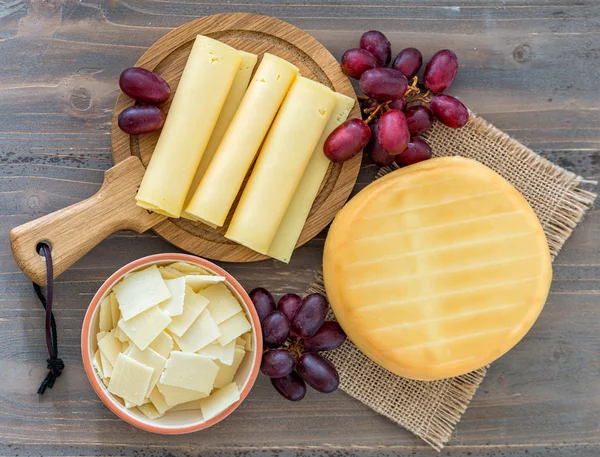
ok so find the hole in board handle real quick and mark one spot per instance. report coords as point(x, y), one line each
point(38, 247)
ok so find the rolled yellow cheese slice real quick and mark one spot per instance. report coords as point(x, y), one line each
point(437, 269)
point(295, 217)
point(207, 77)
point(238, 88)
point(281, 164)
point(225, 174)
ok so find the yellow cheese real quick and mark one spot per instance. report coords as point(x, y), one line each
point(97, 364)
point(199, 282)
point(233, 327)
point(281, 164)
point(227, 372)
point(217, 352)
point(221, 302)
point(185, 268)
point(219, 401)
point(100, 335)
point(202, 332)
point(163, 344)
point(107, 367)
point(145, 327)
point(149, 358)
point(130, 380)
point(140, 291)
point(158, 400)
point(437, 269)
point(176, 395)
point(189, 406)
point(248, 338)
point(220, 184)
point(190, 371)
point(149, 411)
point(237, 91)
point(173, 306)
point(114, 309)
point(297, 213)
point(106, 323)
point(207, 77)
point(110, 347)
point(193, 305)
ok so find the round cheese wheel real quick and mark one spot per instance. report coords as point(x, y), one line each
point(437, 269)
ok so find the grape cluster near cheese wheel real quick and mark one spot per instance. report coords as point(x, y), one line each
point(397, 107)
point(294, 332)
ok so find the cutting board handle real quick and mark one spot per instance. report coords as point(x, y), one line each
point(73, 231)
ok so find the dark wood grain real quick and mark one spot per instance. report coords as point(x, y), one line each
point(530, 68)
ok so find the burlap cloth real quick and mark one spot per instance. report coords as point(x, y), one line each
point(431, 410)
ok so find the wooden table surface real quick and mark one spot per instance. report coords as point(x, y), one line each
point(529, 67)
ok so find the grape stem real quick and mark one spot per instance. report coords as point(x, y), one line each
point(362, 97)
point(372, 115)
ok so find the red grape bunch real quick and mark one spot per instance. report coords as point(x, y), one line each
point(149, 90)
point(395, 112)
point(294, 332)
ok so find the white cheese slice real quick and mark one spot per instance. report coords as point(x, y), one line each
point(140, 291)
point(110, 347)
point(158, 400)
point(97, 364)
point(149, 411)
point(120, 334)
point(219, 401)
point(217, 352)
point(227, 372)
point(163, 344)
point(233, 327)
point(189, 406)
point(150, 358)
point(188, 268)
point(145, 327)
point(169, 273)
point(193, 305)
point(130, 379)
point(100, 335)
point(202, 332)
point(107, 367)
point(106, 323)
point(222, 304)
point(248, 338)
point(199, 282)
point(114, 309)
point(176, 395)
point(190, 371)
point(174, 306)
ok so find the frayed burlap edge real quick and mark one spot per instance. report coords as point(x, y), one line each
point(431, 410)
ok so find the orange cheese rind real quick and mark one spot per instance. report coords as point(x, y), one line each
point(437, 269)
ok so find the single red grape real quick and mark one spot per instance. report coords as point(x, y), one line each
point(408, 62)
point(144, 85)
point(330, 336)
point(399, 103)
point(291, 387)
point(416, 151)
point(377, 44)
point(311, 315)
point(277, 363)
point(393, 132)
point(347, 140)
point(375, 150)
point(383, 83)
point(419, 119)
point(449, 111)
point(356, 61)
point(440, 71)
point(289, 304)
point(263, 302)
point(138, 119)
point(275, 329)
point(318, 372)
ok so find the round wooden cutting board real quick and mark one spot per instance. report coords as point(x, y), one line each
point(256, 34)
